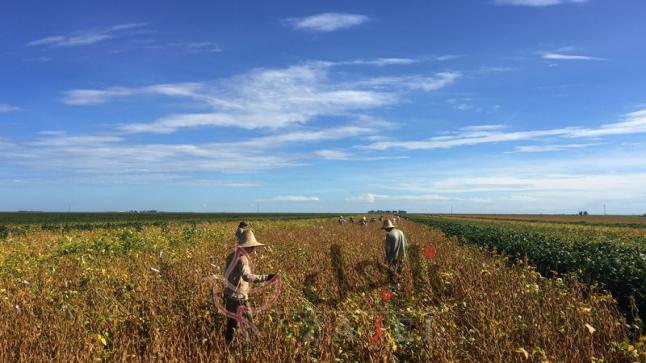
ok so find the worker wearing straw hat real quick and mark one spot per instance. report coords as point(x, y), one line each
point(395, 250)
point(239, 275)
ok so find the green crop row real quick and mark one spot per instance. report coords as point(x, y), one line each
point(613, 263)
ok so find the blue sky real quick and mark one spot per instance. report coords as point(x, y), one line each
point(516, 106)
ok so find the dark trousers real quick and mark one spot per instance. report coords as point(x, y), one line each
point(394, 271)
point(232, 304)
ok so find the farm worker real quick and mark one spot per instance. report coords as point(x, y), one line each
point(239, 278)
point(341, 220)
point(395, 250)
point(363, 221)
point(240, 229)
point(352, 220)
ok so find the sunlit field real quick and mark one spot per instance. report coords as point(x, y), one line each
point(636, 221)
point(140, 294)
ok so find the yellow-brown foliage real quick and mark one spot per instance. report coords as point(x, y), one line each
point(97, 295)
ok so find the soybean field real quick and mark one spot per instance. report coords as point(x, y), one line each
point(113, 291)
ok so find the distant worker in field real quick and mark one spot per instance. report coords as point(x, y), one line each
point(341, 220)
point(381, 218)
point(352, 220)
point(239, 276)
point(395, 250)
point(363, 221)
point(240, 230)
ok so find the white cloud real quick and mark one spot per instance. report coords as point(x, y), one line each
point(41, 59)
point(87, 37)
point(381, 61)
point(371, 198)
point(332, 154)
point(447, 57)
point(537, 3)
point(490, 70)
point(327, 22)
point(418, 83)
point(344, 155)
point(555, 185)
point(115, 154)
point(268, 98)
point(151, 178)
point(95, 97)
point(566, 57)
point(464, 139)
point(632, 123)
point(483, 127)
point(609, 185)
point(8, 108)
point(307, 136)
point(552, 147)
point(295, 198)
point(203, 47)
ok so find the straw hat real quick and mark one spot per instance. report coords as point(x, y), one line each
point(388, 224)
point(248, 240)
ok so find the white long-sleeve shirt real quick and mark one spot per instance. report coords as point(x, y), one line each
point(241, 277)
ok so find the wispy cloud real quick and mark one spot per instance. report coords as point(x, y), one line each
point(566, 57)
point(552, 147)
point(382, 61)
point(95, 97)
point(8, 108)
point(117, 155)
point(447, 57)
point(42, 59)
point(632, 123)
point(308, 136)
point(327, 22)
point(416, 82)
point(105, 154)
point(87, 37)
point(371, 198)
point(344, 155)
point(537, 3)
point(483, 127)
point(551, 186)
point(490, 70)
point(196, 47)
point(269, 98)
point(295, 198)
